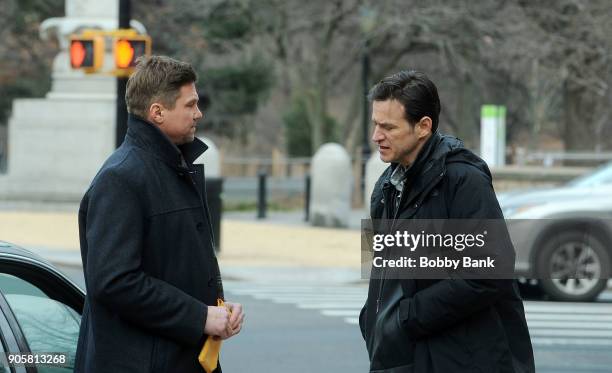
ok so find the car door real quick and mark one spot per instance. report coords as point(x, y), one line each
point(40, 314)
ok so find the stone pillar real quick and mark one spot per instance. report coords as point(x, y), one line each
point(374, 168)
point(331, 187)
point(57, 144)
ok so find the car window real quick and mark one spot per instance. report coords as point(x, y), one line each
point(47, 325)
point(10, 284)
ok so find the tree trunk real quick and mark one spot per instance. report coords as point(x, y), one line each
point(578, 119)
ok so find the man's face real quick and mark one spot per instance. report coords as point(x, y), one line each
point(397, 140)
point(179, 124)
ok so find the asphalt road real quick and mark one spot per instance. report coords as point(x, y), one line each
point(282, 338)
point(310, 326)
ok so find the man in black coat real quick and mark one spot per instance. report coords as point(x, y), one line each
point(420, 325)
point(146, 239)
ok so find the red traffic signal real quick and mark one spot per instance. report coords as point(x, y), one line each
point(128, 49)
point(86, 53)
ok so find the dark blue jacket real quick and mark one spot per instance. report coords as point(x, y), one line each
point(148, 257)
point(441, 326)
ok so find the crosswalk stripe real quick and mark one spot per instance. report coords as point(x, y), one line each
point(349, 312)
point(311, 290)
point(541, 341)
point(316, 301)
point(566, 304)
point(314, 305)
point(312, 296)
point(566, 309)
point(542, 332)
point(568, 317)
point(570, 325)
point(267, 289)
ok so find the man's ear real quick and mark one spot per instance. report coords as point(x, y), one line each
point(156, 113)
point(424, 127)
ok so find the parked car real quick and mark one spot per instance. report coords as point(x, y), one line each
point(563, 235)
point(41, 310)
point(595, 184)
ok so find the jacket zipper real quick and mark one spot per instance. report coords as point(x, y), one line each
point(395, 215)
point(395, 218)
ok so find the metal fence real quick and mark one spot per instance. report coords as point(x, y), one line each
point(286, 180)
point(276, 167)
point(550, 159)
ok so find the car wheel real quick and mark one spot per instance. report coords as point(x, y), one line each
point(573, 266)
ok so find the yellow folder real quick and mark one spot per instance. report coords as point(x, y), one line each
point(209, 356)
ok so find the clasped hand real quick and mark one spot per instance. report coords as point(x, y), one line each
point(225, 321)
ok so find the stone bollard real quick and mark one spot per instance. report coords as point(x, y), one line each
point(210, 159)
point(331, 174)
point(214, 187)
point(374, 168)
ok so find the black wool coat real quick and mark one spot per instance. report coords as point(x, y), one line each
point(148, 257)
point(441, 326)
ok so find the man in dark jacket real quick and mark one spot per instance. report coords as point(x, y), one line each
point(419, 325)
point(150, 268)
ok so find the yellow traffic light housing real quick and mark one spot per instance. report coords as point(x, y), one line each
point(87, 50)
point(86, 53)
point(127, 49)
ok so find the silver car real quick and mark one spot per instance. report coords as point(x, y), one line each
point(563, 236)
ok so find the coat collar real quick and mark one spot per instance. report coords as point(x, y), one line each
point(428, 167)
point(150, 138)
point(426, 155)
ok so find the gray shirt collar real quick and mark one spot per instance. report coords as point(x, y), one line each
point(398, 177)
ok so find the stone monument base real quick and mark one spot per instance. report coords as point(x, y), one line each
point(61, 143)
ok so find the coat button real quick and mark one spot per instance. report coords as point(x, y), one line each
point(200, 226)
point(211, 282)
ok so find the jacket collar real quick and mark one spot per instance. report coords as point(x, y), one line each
point(149, 137)
point(424, 156)
point(427, 167)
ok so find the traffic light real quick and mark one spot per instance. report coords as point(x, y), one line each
point(87, 53)
point(87, 50)
point(127, 49)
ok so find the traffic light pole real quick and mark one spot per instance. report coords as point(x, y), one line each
point(121, 121)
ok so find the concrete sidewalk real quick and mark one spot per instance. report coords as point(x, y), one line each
point(244, 243)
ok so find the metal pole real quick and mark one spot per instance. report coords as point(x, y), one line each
point(365, 147)
point(307, 198)
point(121, 116)
point(261, 196)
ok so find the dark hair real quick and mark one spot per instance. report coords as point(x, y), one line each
point(157, 78)
point(414, 91)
